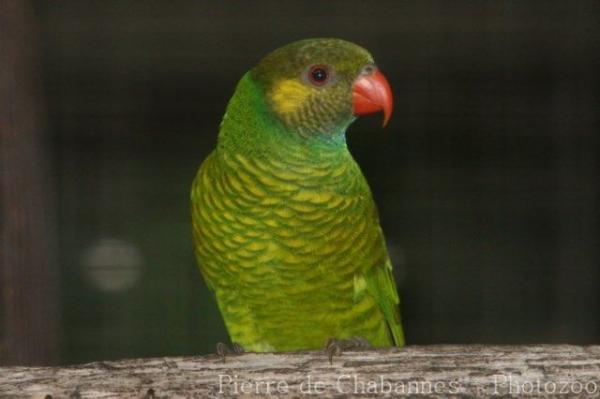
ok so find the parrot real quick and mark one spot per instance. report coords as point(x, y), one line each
point(286, 232)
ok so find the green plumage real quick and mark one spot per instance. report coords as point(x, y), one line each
point(286, 231)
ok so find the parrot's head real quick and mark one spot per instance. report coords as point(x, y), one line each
point(319, 86)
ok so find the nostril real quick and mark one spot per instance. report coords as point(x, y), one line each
point(368, 69)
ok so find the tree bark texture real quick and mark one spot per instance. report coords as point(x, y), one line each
point(426, 371)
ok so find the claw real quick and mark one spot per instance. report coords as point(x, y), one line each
point(335, 347)
point(223, 350)
point(238, 349)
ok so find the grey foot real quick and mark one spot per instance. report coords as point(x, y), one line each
point(223, 350)
point(335, 347)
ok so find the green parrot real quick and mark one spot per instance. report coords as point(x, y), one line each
point(286, 232)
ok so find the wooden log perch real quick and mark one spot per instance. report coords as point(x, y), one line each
point(432, 371)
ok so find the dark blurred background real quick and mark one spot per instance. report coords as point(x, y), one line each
point(486, 178)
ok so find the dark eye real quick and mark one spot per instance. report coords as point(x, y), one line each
point(318, 75)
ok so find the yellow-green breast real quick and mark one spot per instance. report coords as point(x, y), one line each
point(288, 248)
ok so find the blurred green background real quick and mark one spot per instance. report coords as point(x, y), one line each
point(486, 177)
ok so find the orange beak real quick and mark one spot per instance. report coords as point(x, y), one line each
point(372, 93)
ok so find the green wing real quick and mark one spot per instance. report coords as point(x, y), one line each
point(381, 285)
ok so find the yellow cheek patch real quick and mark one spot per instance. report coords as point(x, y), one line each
point(288, 95)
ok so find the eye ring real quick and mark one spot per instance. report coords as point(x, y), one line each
point(318, 75)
